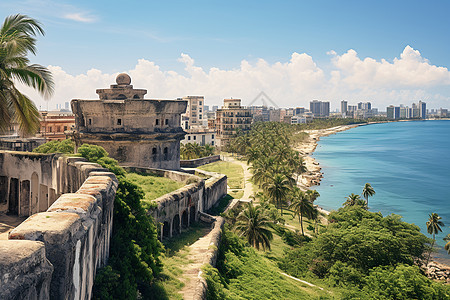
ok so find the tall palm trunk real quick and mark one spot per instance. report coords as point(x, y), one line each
point(301, 222)
point(431, 250)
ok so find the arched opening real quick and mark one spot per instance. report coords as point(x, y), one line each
point(34, 193)
point(176, 225)
point(192, 214)
point(166, 153)
point(43, 198)
point(24, 209)
point(13, 205)
point(154, 153)
point(121, 97)
point(136, 97)
point(184, 219)
point(166, 230)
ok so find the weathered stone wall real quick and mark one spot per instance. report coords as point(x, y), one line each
point(194, 163)
point(74, 234)
point(136, 132)
point(215, 188)
point(179, 208)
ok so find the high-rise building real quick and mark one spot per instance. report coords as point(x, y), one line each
point(422, 110)
point(319, 108)
point(393, 112)
point(344, 105)
point(195, 115)
point(299, 111)
point(230, 119)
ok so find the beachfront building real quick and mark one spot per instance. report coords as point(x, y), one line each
point(393, 112)
point(344, 108)
point(135, 131)
point(319, 109)
point(231, 118)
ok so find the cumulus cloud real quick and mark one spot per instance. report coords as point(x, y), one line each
point(408, 78)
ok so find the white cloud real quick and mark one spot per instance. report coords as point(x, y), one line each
point(293, 83)
point(80, 17)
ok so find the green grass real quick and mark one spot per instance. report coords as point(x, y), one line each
point(154, 186)
point(220, 207)
point(234, 172)
point(186, 238)
point(170, 281)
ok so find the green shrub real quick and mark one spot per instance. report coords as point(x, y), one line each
point(92, 152)
point(65, 147)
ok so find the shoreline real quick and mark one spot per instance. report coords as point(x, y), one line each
point(313, 176)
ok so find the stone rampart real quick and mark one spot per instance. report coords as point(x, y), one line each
point(178, 209)
point(194, 163)
point(65, 244)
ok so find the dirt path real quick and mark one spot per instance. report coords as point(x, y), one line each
point(302, 281)
point(248, 186)
point(200, 253)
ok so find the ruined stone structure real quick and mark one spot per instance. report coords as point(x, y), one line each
point(56, 251)
point(178, 209)
point(135, 131)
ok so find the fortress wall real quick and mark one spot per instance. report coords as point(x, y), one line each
point(215, 188)
point(67, 242)
point(194, 163)
point(178, 209)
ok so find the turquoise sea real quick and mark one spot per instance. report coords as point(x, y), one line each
point(407, 163)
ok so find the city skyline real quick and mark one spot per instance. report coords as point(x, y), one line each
point(295, 52)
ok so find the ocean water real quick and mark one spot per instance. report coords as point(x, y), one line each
point(407, 163)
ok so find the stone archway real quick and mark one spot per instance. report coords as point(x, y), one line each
point(176, 224)
point(34, 193)
point(184, 219)
point(192, 214)
point(166, 230)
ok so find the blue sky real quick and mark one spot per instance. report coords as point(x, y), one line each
point(111, 36)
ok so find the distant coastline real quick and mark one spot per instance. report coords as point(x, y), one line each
point(314, 174)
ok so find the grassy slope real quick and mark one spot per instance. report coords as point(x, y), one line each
point(234, 172)
point(260, 278)
point(154, 186)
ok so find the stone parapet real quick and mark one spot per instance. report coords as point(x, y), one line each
point(73, 234)
point(194, 163)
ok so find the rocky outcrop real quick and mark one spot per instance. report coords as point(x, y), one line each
point(437, 271)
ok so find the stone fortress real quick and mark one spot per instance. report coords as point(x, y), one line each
point(56, 251)
point(135, 131)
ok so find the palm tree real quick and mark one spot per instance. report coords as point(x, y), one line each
point(352, 200)
point(254, 226)
point(301, 205)
point(434, 224)
point(367, 192)
point(277, 188)
point(447, 246)
point(16, 40)
point(312, 195)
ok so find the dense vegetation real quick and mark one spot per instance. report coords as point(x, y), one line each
point(194, 150)
point(243, 273)
point(135, 252)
